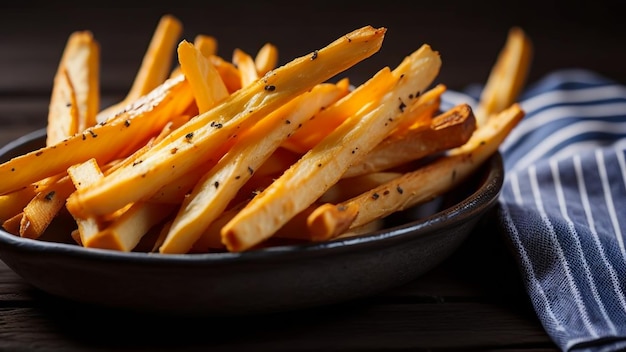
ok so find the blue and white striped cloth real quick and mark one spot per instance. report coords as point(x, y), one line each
point(563, 206)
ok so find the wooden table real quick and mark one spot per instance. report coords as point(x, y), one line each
point(475, 300)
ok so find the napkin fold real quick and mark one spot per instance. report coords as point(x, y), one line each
point(562, 208)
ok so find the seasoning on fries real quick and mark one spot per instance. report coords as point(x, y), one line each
point(216, 154)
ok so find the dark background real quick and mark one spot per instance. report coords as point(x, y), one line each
point(468, 34)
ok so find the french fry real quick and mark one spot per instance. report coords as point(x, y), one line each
point(82, 175)
point(227, 70)
point(349, 187)
point(12, 224)
point(329, 220)
point(155, 66)
point(126, 231)
point(246, 66)
point(448, 130)
point(104, 142)
point(206, 83)
point(508, 75)
point(409, 189)
point(421, 111)
point(215, 190)
point(13, 203)
point(63, 111)
point(206, 44)
point(44, 207)
point(323, 165)
point(75, 98)
point(266, 59)
point(206, 137)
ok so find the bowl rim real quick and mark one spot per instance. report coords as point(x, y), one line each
point(481, 199)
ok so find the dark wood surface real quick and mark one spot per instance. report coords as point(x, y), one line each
point(475, 300)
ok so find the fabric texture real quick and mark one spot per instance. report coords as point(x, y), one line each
point(563, 205)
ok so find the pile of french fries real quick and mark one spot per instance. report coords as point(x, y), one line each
point(210, 154)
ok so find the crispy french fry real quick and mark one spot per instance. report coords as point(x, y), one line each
point(206, 44)
point(216, 189)
point(507, 76)
point(448, 130)
point(44, 207)
point(206, 137)
point(104, 142)
point(409, 189)
point(12, 224)
point(75, 98)
point(126, 231)
point(323, 165)
point(155, 66)
point(347, 188)
point(82, 175)
point(13, 203)
point(246, 66)
point(328, 217)
point(266, 59)
point(206, 83)
point(85, 173)
point(63, 111)
point(421, 111)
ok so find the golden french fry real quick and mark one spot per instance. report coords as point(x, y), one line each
point(266, 59)
point(206, 83)
point(12, 224)
point(44, 207)
point(508, 75)
point(104, 142)
point(155, 66)
point(421, 111)
point(82, 175)
point(13, 203)
point(328, 220)
point(448, 130)
point(126, 231)
point(246, 66)
point(75, 98)
point(63, 111)
point(206, 44)
point(349, 187)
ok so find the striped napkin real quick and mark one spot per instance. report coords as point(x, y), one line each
point(563, 205)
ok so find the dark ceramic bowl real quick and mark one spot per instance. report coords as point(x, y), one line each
point(274, 279)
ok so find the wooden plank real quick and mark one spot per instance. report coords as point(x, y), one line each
point(466, 326)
